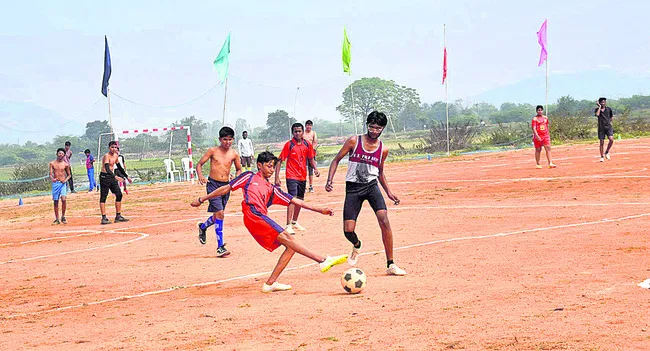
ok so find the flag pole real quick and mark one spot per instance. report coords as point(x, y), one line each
point(354, 115)
point(444, 34)
point(225, 94)
point(295, 102)
point(546, 109)
point(110, 119)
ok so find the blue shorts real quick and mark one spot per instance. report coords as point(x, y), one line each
point(296, 188)
point(218, 203)
point(59, 190)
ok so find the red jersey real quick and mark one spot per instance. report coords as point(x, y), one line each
point(259, 194)
point(297, 155)
point(540, 124)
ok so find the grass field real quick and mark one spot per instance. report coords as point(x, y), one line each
point(500, 256)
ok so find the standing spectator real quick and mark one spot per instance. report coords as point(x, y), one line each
point(246, 151)
point(90, 169)
point(312, 138)
point(66, 158)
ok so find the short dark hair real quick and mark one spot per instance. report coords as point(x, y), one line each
point(538, 107)
point(60, 149)
point(378, 118)
point(87, 151)
point(602, 99)
point(111, 143)
point(296, 125)
point(266, 156)
point(226, 132)
point(309, 123)
point(67, 143)
point(244, 132)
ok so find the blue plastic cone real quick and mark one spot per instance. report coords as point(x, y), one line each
point(20, 201)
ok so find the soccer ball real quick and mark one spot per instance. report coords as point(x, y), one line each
point(353, 280)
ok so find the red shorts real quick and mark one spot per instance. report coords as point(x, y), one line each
point(262, 228)
point(546, 141)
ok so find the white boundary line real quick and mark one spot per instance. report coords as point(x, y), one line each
point(247, 276)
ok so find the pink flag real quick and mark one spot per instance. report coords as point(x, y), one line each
point(444, 66)
point(541, 39)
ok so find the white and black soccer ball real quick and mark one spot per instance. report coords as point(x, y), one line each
point(353, 280)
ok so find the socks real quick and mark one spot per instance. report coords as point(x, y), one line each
point(207, 223)
point(352, 238)
point(388, 263)
point(218, 228)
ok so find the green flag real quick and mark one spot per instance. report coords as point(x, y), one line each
point(347, 54)
point(221, 62)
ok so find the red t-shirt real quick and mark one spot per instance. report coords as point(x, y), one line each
point(258, 192)
point(541, 126)
point(297, 156)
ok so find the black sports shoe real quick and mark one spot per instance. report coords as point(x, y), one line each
point(120, 219)
point(222, 251)
point(201, 234)
point(106, 221)
point(63, 220)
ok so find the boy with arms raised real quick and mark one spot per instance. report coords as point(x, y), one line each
point(221, 160)
point(366, 165)
point(259, 194)
point(59, 175)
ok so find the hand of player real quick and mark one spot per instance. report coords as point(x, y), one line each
point(316, 173)
point(196, 203)
point(393, 198)
point(119, 179)
point(329, 186)
point(278, 182)
point(202, 179)
point(326, 211)
point(129, 180)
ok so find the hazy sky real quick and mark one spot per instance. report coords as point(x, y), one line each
point(162, 52)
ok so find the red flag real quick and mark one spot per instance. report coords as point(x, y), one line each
point(444, 66)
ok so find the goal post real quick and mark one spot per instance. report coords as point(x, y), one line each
point(145, 150)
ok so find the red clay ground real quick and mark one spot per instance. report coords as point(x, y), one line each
point(500, 255)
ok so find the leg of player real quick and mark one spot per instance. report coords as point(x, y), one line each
point(271, 284)
point(348, 229)
point(325, 262)
point(548, 156)
point(63, 207)
point(538, 154)
point(218, 230)
point(387, 238)
point(609, 145)
point(56, 212)
point(118, 203)
point(602, 150)
point(290, 209)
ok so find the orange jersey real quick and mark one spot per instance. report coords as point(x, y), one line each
point(540, 124)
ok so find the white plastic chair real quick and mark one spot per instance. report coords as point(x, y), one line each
point(170, 167)
point(185, 165)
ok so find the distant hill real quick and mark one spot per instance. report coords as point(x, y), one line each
point(588, 85)
point(23, 121)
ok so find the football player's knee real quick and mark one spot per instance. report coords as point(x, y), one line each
point(118, 197)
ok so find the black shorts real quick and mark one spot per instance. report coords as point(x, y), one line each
point(296, 188)
point(605, 131)
point(218, 203)
point(247, 161)
point(356, 194)
point(108, 182)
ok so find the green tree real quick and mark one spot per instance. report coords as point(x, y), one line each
point(240, 126)
point(376, 94)
point(278, 125)
point(95, 128)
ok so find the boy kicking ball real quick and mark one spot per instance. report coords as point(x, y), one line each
point(259, 194)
